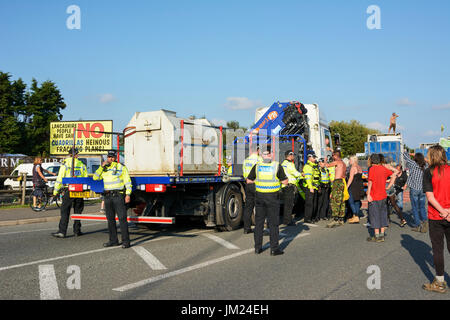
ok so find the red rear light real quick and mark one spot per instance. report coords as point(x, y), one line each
point(155, 188)
point(75, 187)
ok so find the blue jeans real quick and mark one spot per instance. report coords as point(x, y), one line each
point(418, 206)
point(400, 200)
point(355, 206)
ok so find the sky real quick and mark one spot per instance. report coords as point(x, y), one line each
point(224, 59)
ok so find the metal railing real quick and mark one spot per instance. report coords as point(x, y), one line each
point(22, 186)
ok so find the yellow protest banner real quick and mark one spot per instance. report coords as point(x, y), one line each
point(91, 137)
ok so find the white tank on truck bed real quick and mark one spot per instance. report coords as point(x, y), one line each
point(153, 145)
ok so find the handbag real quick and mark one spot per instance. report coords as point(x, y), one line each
point(346, 194)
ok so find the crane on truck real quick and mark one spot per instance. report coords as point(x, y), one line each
point(175, 164)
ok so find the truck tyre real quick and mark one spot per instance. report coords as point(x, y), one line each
point(233, 208)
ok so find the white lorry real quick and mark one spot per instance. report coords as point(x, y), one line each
point(175, 164)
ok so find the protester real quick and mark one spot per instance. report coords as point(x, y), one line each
point(39, 181)
point(376, 196)
point(393, 122)
point(369, 165)
point(355, 187)
point(416, 168)
point(436, 185)
point(337, 202)
point(399, 184)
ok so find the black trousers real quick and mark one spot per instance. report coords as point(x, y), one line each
point(439, 229)
point(250, 194)
point(115, 204)
point(311, 199)
point(78, 206)
point(267, 206)
point(289, 200)
point(323, 202)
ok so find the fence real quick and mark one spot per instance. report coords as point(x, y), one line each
point(22, 187)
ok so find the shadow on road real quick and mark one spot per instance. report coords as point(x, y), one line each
point(422, 254)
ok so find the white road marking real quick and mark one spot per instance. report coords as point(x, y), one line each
point(149, 259)
point(54, 259)
point(191, 268)
point(221, 241)
point(89, 252)
point(180, 271)
point(47, 283)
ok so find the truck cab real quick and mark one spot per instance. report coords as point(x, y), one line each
point(317, 133)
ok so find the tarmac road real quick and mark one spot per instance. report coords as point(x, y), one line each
point(190, 262)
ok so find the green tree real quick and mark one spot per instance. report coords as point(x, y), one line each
point(10, 102)
point(353, 135)
point(25, 116)
point(43, 105)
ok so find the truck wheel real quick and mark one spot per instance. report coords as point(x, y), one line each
point(233, 209)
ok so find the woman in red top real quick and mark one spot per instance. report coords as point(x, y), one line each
point(436, 185)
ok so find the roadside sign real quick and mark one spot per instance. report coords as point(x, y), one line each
point(91, 137)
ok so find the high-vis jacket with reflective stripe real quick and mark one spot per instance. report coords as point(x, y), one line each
point(291, 172)
point(65, 171)
point(249, 163)
point(266, 177)
point(332, 172)
point(324, 176)
point(312, 175)
point(115, 177)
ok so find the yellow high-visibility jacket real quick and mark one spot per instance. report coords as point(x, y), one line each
point(290, 171)
point(249, 163)
point(312, 175)
point(266, 177)
point(115, 177)
point(65, 171)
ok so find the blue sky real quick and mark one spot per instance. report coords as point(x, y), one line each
point(222, 59)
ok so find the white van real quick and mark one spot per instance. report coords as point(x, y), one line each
point(14, 183)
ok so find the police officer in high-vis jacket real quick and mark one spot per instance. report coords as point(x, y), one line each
point(267, 176)
point(324, 190)
point(311, 184)
point(65, 171)
point(290, 190)
point(117, 191)
point(250, 192)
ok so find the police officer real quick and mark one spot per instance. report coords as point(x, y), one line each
point(250, 191)
point(311, 183)
point(117, 191)
point(324, 190)
point(65, 171)
point(289, 191)
point(266, 176)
